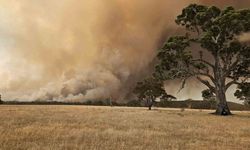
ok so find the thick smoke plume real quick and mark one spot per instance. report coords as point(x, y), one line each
point(83, 50)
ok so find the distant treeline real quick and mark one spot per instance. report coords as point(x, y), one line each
point(192, 104)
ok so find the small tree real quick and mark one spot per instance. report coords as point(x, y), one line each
point(149, 90)
point(213, 32)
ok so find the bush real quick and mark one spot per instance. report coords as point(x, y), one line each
point(247, 103)
point(164, 103)
point(88, 103)
point(94, 103)
point(134, 103)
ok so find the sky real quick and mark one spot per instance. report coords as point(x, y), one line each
point(77, 50)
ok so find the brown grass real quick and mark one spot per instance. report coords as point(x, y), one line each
point(102, 128)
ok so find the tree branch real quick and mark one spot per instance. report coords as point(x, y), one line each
point(182, 84)
point(205, 82)
point(215, 39)
point(231, 83)
point(233, 66)
point(207, 75)
point(205, 62)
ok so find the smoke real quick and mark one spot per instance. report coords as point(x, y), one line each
point(245, 37)
point(82, 50)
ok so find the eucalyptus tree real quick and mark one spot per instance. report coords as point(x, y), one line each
point(209, 51)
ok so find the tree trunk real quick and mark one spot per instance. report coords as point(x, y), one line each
point(150, 103)
point(222, 107)
point(220, 88)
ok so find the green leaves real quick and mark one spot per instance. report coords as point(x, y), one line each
point(191, 16)
point(150, 88)
point(243, 92)
point(215, 27)
point(234, 22)
point(198, 17)
point(207, 94)
point(174, 58)
point(176, 43)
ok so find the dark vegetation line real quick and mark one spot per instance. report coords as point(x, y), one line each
point(192, 104)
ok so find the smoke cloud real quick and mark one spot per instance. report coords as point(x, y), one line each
point(75, 50)
point(245, 38)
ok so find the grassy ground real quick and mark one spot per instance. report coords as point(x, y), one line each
point(102, 128)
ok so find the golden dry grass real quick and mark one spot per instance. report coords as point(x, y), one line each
point(103, 128)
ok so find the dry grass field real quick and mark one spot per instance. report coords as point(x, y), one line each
point(104, 128)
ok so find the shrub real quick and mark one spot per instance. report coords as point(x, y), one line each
point(134, 103)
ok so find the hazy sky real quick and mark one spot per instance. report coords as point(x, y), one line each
point(85, 49)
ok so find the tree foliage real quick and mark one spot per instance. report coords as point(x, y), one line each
point(207, 94)
point(243, 93)
point(150, 89)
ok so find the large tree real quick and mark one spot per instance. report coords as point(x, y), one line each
point(210, 50)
